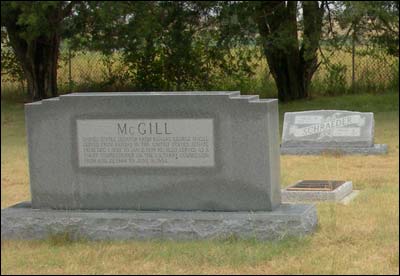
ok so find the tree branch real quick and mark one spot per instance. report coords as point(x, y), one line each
point(68, 9)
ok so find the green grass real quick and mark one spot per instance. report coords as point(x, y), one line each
point(383, 102)
point(359, 238)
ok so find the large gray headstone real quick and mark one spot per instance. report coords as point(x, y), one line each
point(154, 151)
point(311, 132)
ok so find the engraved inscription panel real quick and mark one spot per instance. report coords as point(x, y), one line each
point(145, 142)
point(331, 126)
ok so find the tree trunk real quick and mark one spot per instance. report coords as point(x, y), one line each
point(40, 67)
point(38, 55)
point(291, 66)
point(39, 61)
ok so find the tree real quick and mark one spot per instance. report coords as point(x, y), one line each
point(34, 30)
point(165, 45)
point(292, 60)
point(376, 21)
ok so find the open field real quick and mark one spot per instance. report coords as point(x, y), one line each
point(359, 238)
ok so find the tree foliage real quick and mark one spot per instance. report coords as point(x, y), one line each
point(11, 69)
point(166, 45)
point(185, 45)
point(181, 44)
point(375, 21)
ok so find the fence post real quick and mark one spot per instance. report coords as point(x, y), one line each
point(69, 70)
point(353, 53)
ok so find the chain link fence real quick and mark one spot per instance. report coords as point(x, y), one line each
point(349, 70)
point(356, 68)
point(352, 69)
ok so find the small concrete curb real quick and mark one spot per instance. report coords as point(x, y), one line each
point(313, 196)
point(350, 197)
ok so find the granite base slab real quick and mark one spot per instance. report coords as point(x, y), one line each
point(305, 196)
point(376, 149)
point(22, 222)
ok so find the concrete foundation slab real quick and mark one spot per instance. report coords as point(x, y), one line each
point(22, 222)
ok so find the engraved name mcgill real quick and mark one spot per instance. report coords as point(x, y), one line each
point(143, 128)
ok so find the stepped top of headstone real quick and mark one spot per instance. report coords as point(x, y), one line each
point(230, 94)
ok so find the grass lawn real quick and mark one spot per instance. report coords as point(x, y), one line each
point(359, 238)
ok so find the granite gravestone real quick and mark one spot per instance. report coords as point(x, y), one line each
point(139, 165)
point(154, 151)
point(314, 132)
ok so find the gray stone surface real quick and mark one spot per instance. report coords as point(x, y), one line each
point(375, 149)
point(309, 196)
point(69, 169)
point(318, 131)
point(328, 128)
point(23, 222)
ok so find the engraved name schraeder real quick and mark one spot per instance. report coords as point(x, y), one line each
point(332, 126)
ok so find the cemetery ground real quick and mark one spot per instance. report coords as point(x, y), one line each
point(359, 238)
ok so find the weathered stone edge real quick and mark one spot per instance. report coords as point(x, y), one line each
point(376, 149)
point(26, 223)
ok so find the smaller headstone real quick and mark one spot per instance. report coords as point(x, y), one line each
point(318, 131)
point(317, 190)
